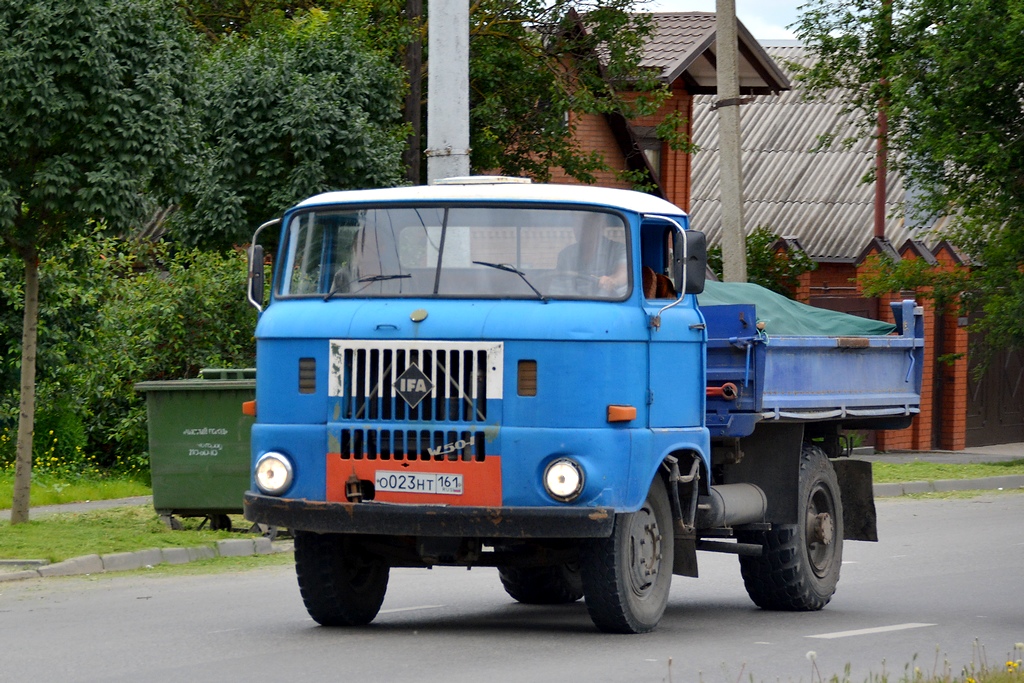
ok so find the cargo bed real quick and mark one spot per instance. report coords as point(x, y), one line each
point(865, 381)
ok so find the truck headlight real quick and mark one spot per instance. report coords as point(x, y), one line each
point(563, 479)
point(273, 473)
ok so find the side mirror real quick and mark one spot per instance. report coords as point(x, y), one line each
point(696, 266)
point(256, 283)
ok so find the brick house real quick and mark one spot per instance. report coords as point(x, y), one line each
point(682, 49)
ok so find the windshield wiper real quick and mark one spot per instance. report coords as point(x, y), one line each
point(381, 278)
point(512, 269)
point(337, 286)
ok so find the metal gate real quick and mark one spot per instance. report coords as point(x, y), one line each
point(995, 402)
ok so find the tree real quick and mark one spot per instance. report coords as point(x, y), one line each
point(91, 101)
point(950, 74)
point(766, 266)
point(531, 64)
point(285, 114)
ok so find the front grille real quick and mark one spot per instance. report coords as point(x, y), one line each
point(457, 382)
point(412, 445)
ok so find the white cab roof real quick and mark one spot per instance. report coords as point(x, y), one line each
point(524, 192)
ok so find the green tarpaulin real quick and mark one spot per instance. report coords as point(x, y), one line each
point(785, 317)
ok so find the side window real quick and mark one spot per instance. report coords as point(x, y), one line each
point(656, 254)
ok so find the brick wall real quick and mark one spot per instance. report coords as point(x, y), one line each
point(942, 422)
point(594, 133)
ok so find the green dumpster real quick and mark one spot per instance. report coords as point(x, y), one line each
point(199, 444)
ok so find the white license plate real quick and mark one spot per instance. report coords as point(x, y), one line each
point(418, 482)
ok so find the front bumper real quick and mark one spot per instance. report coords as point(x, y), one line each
point(391, 519)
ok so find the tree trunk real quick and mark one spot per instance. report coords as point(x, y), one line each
point(27, 416)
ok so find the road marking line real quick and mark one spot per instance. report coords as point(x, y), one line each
point(408, 609)
point(869, 631)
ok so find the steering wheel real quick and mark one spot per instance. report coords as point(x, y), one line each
point(571, 282)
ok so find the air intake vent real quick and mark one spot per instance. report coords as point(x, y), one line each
point(412, 445)
point(307, 375)
point(416, 381)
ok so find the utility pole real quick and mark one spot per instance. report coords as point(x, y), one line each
point(882, 140)
point(413, 104)
point(734, 248)
point(448, 89)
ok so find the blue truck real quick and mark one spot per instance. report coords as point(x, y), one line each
point(485, 372)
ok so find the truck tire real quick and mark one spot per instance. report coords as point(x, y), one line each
point(557, 584)
point(799, 565)
point(341, 583)
point(627, 576)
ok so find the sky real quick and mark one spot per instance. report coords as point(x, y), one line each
point(765, 19)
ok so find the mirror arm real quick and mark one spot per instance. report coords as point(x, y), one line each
point(656, 318)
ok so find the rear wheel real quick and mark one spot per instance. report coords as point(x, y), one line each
point(626, 577)
point(342, 584)
point(552, 585)
point(799, 565)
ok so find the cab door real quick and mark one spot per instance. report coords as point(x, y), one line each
point(676, 329)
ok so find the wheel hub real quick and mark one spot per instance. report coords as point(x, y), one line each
point(822, 529)
point(645, 551)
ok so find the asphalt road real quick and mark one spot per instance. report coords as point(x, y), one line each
point(944, 584)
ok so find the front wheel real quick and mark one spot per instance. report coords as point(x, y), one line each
point(342, 584)
point(626, 577)
point(799, 564)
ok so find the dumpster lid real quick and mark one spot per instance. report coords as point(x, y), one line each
point(210, 379)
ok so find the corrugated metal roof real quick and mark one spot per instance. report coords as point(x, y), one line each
point(815, 196)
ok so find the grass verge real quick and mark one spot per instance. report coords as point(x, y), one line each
point(121, 529)
point(50, 490)
point(895, 473)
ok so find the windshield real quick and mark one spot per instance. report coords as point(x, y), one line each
point(456, 252)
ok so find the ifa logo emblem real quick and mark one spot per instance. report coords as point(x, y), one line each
point(413, 386)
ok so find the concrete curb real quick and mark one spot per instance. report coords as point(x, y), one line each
point(943, 485)
point(118, 562)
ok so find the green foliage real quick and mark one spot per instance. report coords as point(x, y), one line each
point(532, 64)
point(944, 287)
point(215, 19)
point(284, 115)
point(777, 271)
point(91, 100)
point(949, 74)
point(114, 313)
point(166, 314)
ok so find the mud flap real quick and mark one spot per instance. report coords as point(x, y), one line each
point(858, 498)
point(685, 553)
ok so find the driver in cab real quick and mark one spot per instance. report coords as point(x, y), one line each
point(594, 256)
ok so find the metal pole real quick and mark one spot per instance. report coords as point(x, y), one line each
point(734, 249)
point(448, 89)
point(881, 161)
